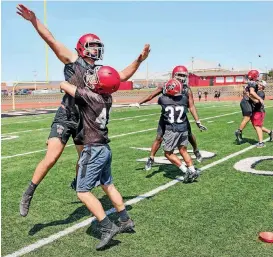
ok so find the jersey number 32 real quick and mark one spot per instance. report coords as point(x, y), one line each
point(172, 111)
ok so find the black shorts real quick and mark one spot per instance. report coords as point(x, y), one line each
point(161, 127)
point(172, 140)
point(246, 107)
point(63, 128)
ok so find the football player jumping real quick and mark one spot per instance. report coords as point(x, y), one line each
point(181, 74)
point(67, 121)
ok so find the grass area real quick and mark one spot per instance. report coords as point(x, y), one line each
point(220, 215)
point(265, 165)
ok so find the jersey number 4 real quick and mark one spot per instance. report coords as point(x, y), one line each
point(172, 110)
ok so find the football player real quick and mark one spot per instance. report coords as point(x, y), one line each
point(258, 116)
point(181, 74)
point(174, 105)
point(79, 67)
point(94, 102)
point(249, 98)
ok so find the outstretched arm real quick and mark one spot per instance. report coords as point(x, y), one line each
point(63, 53)
point(130, 70)
point(148, 98)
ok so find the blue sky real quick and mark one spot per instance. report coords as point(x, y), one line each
point(230, 33)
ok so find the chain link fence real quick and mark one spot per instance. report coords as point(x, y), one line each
point(121, 97)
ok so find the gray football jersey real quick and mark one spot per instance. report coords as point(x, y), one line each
point(258, 107)
point(95, 110)
point(174, 112)
point(75, 74)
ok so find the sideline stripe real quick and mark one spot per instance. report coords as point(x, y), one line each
point(25, 131)
point(43, 150)
point(135, 200)
point(42, 118)
point(121, 135)
point(125, 119)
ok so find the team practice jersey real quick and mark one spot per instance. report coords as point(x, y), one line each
point(95, 110)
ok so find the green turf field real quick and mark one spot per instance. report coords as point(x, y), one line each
point(220, 215)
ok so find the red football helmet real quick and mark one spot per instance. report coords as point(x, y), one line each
point(173, 88)
point(104, 80)
point(181, 73)
point(85, 48)
point(253, 75)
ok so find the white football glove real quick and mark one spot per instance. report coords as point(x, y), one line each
point(200, 126)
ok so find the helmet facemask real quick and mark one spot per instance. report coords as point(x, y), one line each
point(89, 48)
point(182, 77)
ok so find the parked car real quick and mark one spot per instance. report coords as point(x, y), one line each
point(137, 86)
point(45, 91)
point(4, 92)
point(151, 86)
point(24, 92)
point(21, 92)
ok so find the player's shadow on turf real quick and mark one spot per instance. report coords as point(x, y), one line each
point(143, 169)
point(246, 140)
point(170, 171)
point(78, 214)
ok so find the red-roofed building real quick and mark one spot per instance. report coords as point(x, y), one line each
point(217, 78)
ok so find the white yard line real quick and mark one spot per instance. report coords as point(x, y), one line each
point(138, 116)
point(3, 138)
point(41, 119)
point(34, 119)
point(121, 135)
point(218, 116)
point(125, 119)
point(43, 150)
point(232, 121)
point(38, 118)
point(87, 222)
point(25, 131)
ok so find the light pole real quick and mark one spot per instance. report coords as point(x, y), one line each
point(192, 61)
point(250, 65)
point(35, 79)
